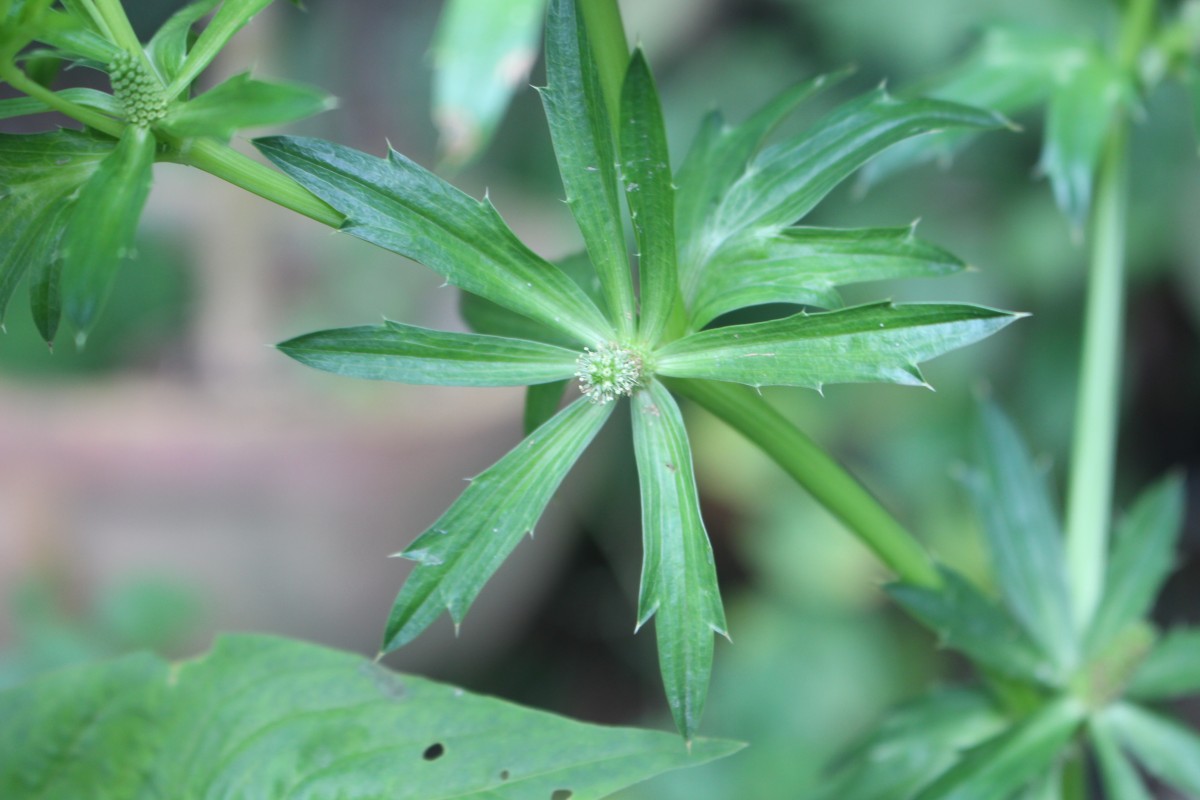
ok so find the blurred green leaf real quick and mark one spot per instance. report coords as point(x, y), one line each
point(230, 18)
point(482, 53)
point(45, 269)
point(167, 49)
point(1120, 776)
point(101, 230)
point(92, 98)
point(1171, 669)
point(408, 354)
point(1193, 82)
point(880, 342)
point(396, 204)
point(803, 265)
point(460, 551)
point(1166, 749)
point(242, 102)
point(266, 717)
point(679, 579)
point(541, 403)
point(966, 621)
point(583, 144)
point(1143, 555)
point(1023, 536)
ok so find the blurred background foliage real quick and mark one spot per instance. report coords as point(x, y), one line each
point(178, 446)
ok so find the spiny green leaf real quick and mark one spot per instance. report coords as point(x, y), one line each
point(397, 205)
point(1120, 776)
point(242, 102)
point(1023, 536)
point(101, 230)
point(409, 354)
point(230, 18)
point(1171, 669)
point(264, 717)
point(679, 579)
point(583, 143)
point(967, 621)
point(1143, 555)
point(482, 53)
point(167, 49)
point(460, 551)
point(803, 265)
point(1166, 749)
point(881, 342)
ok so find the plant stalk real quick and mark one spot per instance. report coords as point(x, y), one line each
point(827, 480)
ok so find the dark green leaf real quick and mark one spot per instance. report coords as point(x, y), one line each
point(967, 621)
point(1167, 750)
point(242, 102)
point(45, 270)
point(1121, 779)
point(468, 543)
point(1193, 82)
point(583, 144)
point(101, 230)
point(408, 354)
point(881, 342)
point(541, 403)
point(167, 50)
point(230, 18)
point(260, 717)
point(1171, 670)
point(1008, 762)
point(482, 53)
point(396, 204)
point(1023, 536)
point(1143, 555)
point(679, 579)
point(803, 265)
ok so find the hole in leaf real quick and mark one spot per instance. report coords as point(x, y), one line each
point(434, 751)
point(504, 774)
point(561, 794)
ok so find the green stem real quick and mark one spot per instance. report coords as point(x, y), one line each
point(120, 30)
point(812, 468)
point(606, 35)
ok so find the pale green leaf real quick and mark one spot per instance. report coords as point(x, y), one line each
point(1024, 537)
point(230, 18)
point(1120, 776)
point(396, 204)
point(482, 53)
point(1143, 555)
point(168, 48)
point(409, 354)
point(242, 102)
point(262, 717)
point(1172, 669)
point(679, 579)
point(460, 551)
point(1005, 764)
point(91, 98)
point(541, 403)
point(100, 233)
point(1165, 748)
point(73, 40)
point(583, 144)
point(881, 342)
point(804, 265)
point(646, 177)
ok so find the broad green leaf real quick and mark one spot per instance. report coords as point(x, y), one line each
point(242, 102)
point(915, 744)
point(262, 717)
point(1120, 776)
point(1166, 749)
point(230, 18)
point(1171, 670)
point(408, 354)
point(881, 342)
point(167, 49)
point(646, 177)
point(1003, 765)
point(92, 98)
point(679, 579)
point(101, 230)
point(482, 53)
point(966, 621)
point(1077, 123)
point(541, 403)
point(460, 551)
point(396, 204)
point(583, 144)
point(804, 265)
point(1023, 536)
point(1143, 555)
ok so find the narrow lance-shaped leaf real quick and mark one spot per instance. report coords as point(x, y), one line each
point(101, 230)
point(45, 270)
point(460, 551)
point(91, 98)
point(409, 354)
point(167, 49)
point(679, 579)
point(583, 144)
point(646, 176)
point(881, 342)
point(482, 53)
point(1120, 776)
point(230, 18)
point(804, 265)
point(397, 205)
point(1143, 555)
point(1171, 668)
point(242, 102)
point(1023, 536)
point(1166, 749)
point(264, 717)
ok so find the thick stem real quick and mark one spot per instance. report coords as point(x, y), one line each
point(816, 471)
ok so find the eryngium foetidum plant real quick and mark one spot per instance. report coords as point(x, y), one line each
point(715, 237)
